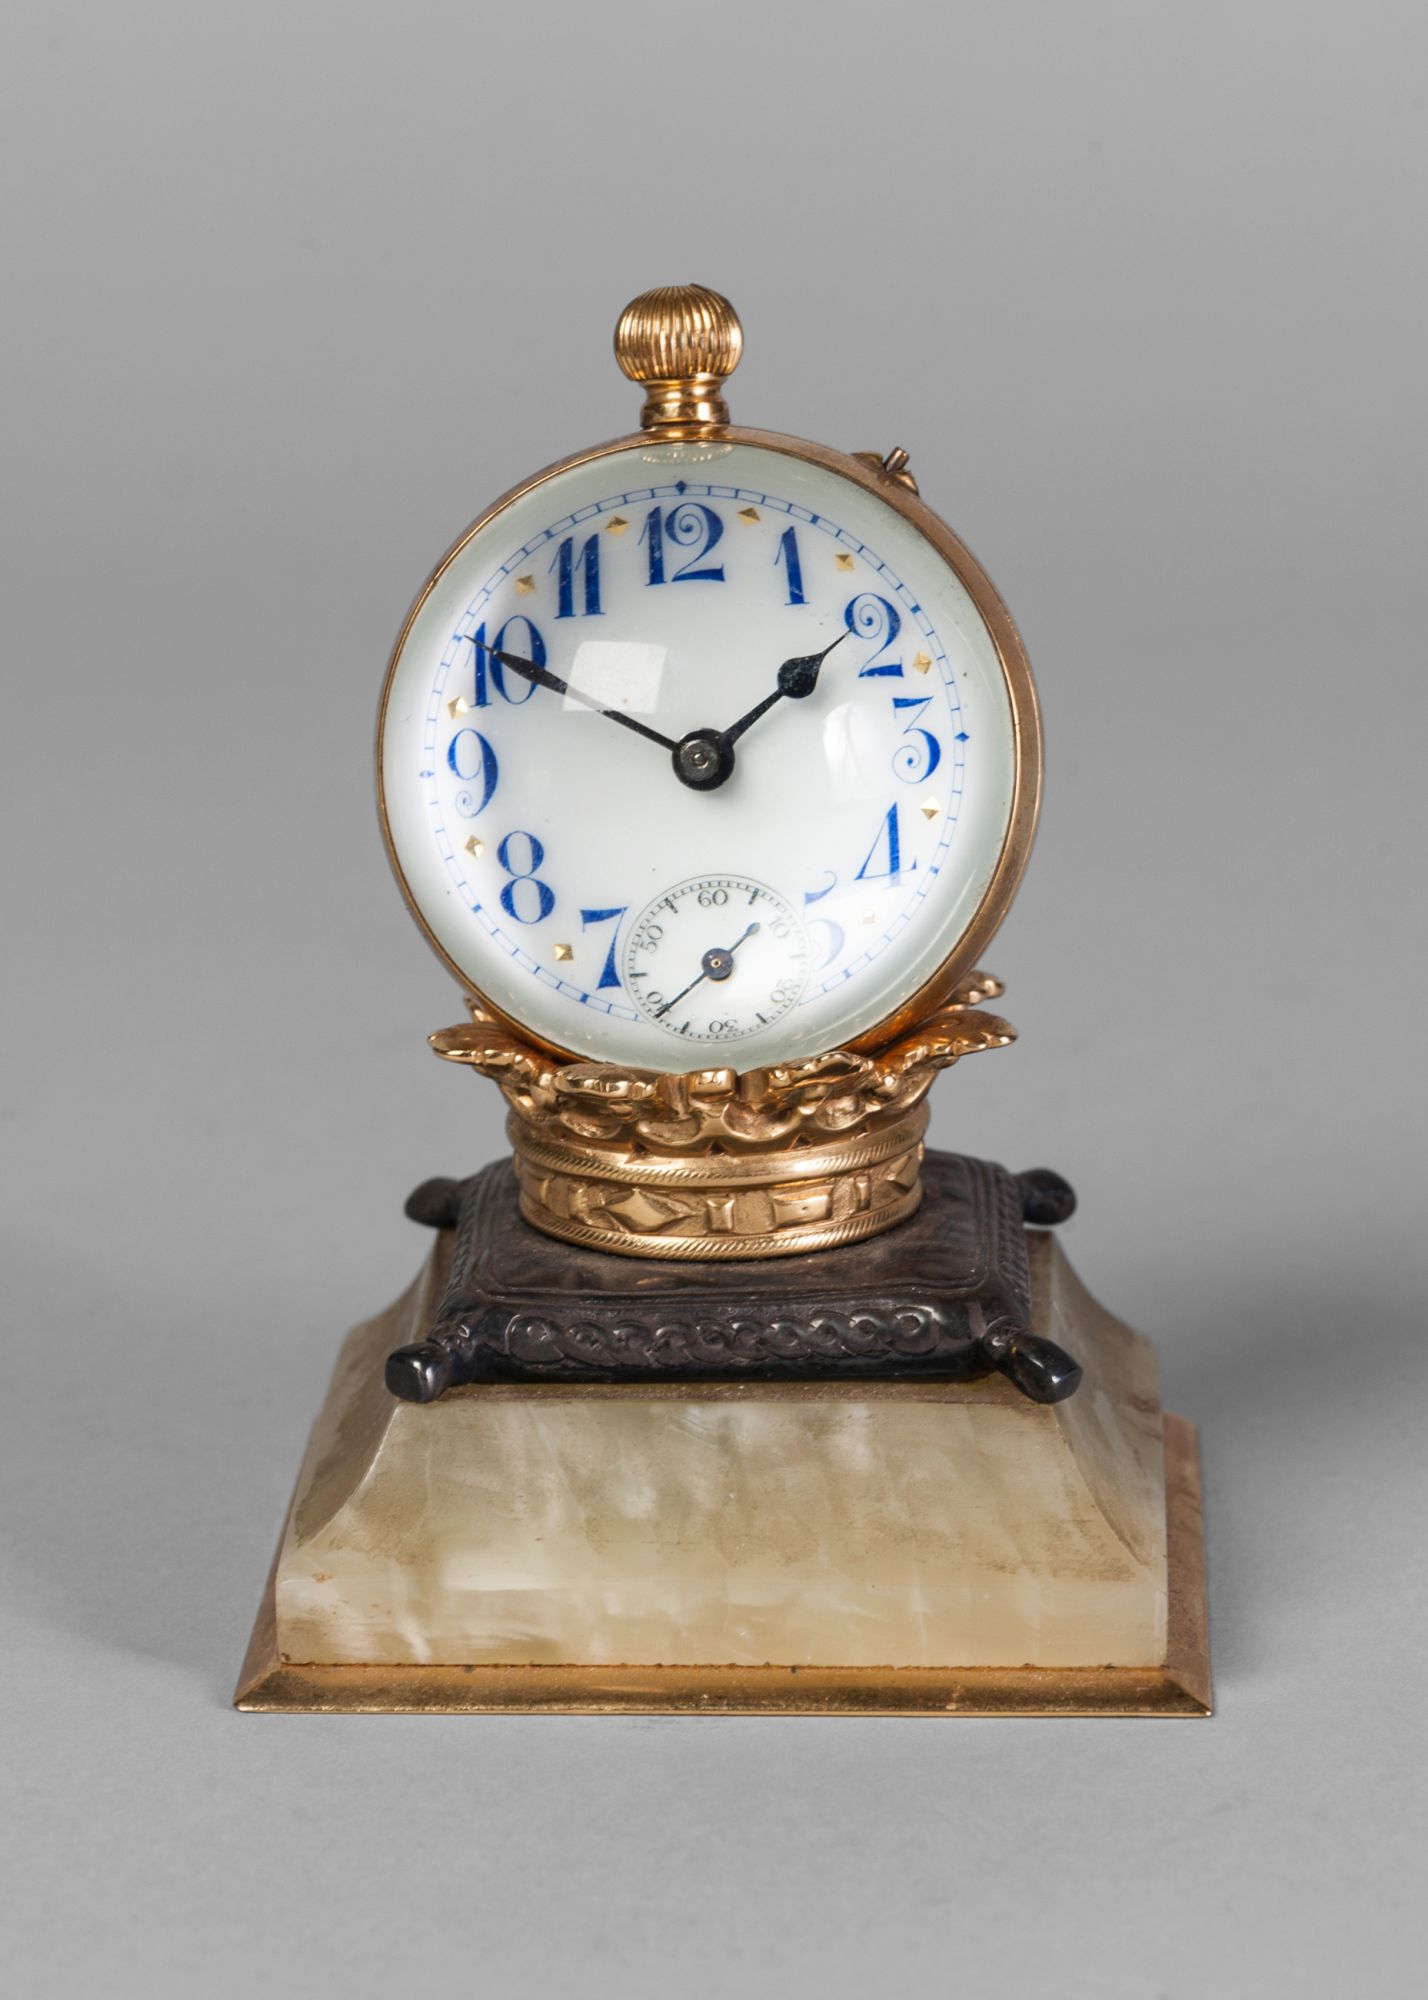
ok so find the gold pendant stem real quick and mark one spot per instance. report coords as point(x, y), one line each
point(688, 405)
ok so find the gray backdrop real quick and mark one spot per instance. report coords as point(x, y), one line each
point(292, 291)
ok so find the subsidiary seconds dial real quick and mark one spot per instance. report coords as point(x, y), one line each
point(716, 959)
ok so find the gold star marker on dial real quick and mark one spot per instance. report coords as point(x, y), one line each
point(843, 561)
point(524, 585)
point(930, 808)
point(748, 513)
point(565, 952)
point(616, 525)
point(922, 661)
point(475, 847)
point(461, 706)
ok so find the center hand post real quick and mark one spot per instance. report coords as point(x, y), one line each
point(704, 759)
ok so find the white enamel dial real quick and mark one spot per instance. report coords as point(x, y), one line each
point(676, 667)
point(716, 959)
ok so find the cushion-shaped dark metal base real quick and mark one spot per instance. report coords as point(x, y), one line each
point(945, 1294)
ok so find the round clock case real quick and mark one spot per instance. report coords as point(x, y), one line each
point(654, 593)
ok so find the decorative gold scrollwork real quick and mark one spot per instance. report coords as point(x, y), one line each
point(716, 1162)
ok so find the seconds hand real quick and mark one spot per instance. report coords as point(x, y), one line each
point(715, 964)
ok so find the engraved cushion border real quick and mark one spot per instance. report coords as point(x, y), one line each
point(925, 1297)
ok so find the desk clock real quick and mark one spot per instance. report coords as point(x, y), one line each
point(708, 763)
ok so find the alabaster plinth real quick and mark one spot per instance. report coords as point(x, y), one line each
point(801, 1546)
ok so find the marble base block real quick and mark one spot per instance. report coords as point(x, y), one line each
point(879, 1547)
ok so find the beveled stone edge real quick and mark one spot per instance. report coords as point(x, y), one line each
point(1187, 1637)
point(1181, 1687)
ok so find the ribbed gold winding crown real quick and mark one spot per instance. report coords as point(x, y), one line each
point(680, 342)
point(719, 1163)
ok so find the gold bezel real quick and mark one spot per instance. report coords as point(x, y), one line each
point(1016, 674)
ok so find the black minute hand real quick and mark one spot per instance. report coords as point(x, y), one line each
point(796, 678)
point(543, 677)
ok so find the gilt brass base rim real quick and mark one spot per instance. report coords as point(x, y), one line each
point(1179, 1687)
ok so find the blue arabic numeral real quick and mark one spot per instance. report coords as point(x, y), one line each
point(524, 877)
point(817, 895)
point(887, 845)
point(687, 524)
point(911, 764)
point(471, 759)
point(490, 673)
point(788, 556)
point(653, 533)
point(869, 617)
point(588, 562)
point(834, 934)
point(608, 976)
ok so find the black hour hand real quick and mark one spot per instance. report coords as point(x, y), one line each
point(796, 679)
